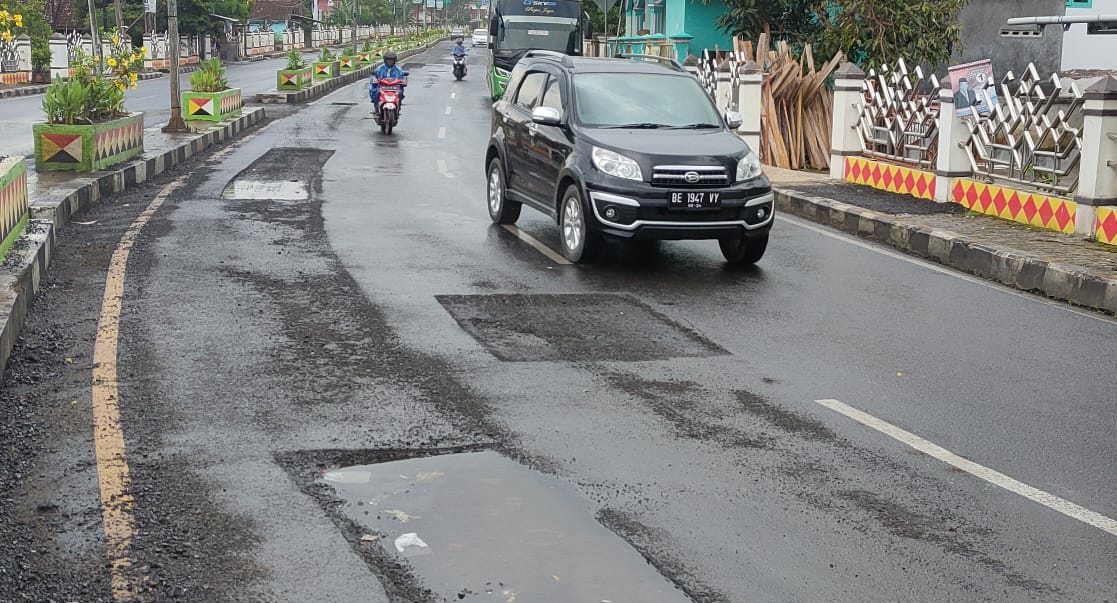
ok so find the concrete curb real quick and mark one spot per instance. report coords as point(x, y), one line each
point(323, 88)
point(58, 209)
point(19, 282)
point(1010, 267)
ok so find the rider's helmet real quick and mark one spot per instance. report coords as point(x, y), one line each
point(390, 58)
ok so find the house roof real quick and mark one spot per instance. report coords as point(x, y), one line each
point(276, 10)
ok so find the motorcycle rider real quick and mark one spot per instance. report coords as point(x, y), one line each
point(459, 51)
point(386, 71)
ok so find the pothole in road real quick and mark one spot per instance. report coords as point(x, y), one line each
point(479, 526)
point(573, 327)
point(282, 174)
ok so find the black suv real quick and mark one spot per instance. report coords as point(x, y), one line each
point(629, 148)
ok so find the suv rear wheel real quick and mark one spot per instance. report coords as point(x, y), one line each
point(580, 244)
point(743, 251)
point(501, 210)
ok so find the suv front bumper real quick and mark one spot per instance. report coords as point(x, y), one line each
point(641, 212)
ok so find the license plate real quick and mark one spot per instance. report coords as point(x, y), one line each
point(693, 200)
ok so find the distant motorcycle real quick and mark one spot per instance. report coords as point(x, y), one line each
point(459, 67)
point(390, 91)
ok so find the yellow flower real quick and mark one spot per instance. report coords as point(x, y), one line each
point(18, 20)
point(116, 39)
point(120, 86)
point(112, 62)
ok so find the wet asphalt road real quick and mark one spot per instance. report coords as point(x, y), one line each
point(265, 341)
point(152, 97)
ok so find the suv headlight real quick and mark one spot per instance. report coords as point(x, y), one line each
point(616, 164)
point(748, 167)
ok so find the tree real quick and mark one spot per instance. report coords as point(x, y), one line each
point(35, 23)
point(597, 18)
point(877, 32)
point(791, 20)
point(869, 32)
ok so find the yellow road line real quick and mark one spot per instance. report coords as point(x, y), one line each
point(108, 437)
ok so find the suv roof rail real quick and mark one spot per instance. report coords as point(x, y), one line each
point(668, 61)
point(551, 54)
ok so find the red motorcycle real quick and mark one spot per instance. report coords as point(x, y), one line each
point(391, 90)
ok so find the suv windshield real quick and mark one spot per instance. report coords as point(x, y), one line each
point(642, 100)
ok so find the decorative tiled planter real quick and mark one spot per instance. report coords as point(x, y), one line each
point(87, 148)
point(348, 64)
point(13, 200)
point(292, 79)
point(365, 58)
point(211, 106)
point(326, 70)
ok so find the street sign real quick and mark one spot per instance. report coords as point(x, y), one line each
point(439, 5)
point(149, 6)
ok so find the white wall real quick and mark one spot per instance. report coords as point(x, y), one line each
point(1081, 51)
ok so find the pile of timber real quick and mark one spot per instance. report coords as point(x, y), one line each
point(797, 105)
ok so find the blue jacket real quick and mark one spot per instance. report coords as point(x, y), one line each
point(382, 72)
point(459, 51)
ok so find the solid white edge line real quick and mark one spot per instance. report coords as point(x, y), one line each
point(992, 476)
point(878, 248)
point(537, 244)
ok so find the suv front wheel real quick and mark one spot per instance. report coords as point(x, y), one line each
point(743, 251)
point(580, 243)
point(501, 210)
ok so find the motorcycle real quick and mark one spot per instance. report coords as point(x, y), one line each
point(390, 91)
point(459, 67)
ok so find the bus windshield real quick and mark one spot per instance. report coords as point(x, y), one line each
point(537, 34)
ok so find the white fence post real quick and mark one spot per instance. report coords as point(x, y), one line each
point(1097, 181)
point(844, 139)
point(59, 57)
point(750, 99)
point(952, 161)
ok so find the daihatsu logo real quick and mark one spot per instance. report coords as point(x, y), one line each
point(692, 177)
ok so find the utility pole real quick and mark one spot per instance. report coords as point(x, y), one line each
point(356, 10)
point(176, 124)
point(119, 15)
point(94, 37)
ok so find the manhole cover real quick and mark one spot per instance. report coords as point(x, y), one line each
point(479, 527)
point(573, 327)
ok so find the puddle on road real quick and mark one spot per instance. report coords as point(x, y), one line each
point(282, 174)
point(259, 189)
point(478, 526)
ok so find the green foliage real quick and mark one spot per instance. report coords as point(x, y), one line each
point(881, 31)
point(65, 101)
point(870, 32)
point(96, 90)
point(326, 55)
point(368, 46)
point(209, 77)
point(40, 58)
point(597, 18)
point(295, 60)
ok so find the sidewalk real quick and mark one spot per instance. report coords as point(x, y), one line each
point(1061, 266)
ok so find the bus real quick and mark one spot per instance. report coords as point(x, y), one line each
point(517, 26)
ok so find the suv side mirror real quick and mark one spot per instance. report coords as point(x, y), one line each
point(494, 27)
point(588, 31)
point(733, 120)
point(547, 116)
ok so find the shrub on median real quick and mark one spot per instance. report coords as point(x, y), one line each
point(209, 77)
point(95, 93)
point(295, 60)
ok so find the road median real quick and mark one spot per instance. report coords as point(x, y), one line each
point(324, 87)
